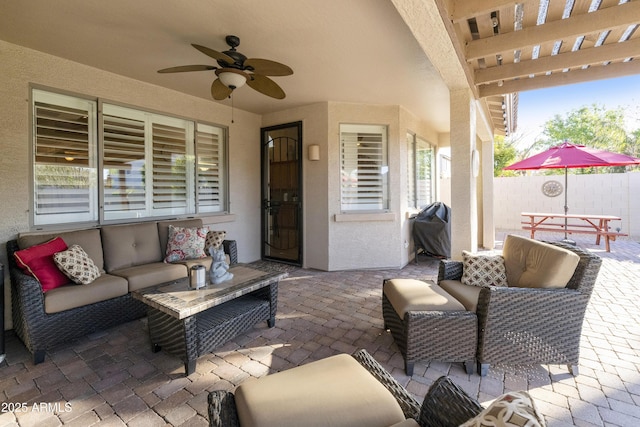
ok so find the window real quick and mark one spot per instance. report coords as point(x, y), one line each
point(64, 159)
point(420, 191)
point(152, 165)
point(210, 168)
point(364, 168)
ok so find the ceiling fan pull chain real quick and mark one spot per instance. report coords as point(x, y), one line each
point(231, 108)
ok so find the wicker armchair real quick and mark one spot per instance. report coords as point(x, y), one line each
point(532, 325)
point(445, 405)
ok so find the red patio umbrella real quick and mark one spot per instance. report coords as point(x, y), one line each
point(567, 155)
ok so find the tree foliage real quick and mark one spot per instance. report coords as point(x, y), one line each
point(504, 153)
point(592, 126)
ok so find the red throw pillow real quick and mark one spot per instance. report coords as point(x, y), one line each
point(38, 262)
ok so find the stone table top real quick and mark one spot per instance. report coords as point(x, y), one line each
point(177, 299)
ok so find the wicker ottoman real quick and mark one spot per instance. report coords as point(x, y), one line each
point(428, 324)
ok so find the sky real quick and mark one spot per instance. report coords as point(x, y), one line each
point(538, 106)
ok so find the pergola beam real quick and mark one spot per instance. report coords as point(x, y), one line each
point(620, 69)
point(595, 55)
point(465, 9)
point(587, 23)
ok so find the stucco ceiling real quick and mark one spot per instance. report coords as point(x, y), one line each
point(357, 51)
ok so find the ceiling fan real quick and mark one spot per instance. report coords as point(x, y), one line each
point(235, 69)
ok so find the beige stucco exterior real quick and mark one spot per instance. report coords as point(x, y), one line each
point(331, 240)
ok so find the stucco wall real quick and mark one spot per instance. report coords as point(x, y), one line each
point(373, 240)
point(315, 218)
point(20, 67)
point(597, 194)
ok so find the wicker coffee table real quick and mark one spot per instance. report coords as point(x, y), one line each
point(189, 323)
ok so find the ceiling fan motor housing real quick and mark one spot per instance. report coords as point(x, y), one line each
point(238, 58)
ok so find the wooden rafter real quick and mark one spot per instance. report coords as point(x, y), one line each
point(512, 46)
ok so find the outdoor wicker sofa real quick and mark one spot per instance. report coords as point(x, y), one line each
point(445, 404)
point(530, 325)
point(128, 256)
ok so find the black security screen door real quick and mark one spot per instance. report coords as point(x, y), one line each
point(281, 193)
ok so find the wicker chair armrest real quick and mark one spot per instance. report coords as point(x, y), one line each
point(27, 288)
point(447, 405)
point(231, 248)
point(410, 406)
point(449, 270)
point(222, 409)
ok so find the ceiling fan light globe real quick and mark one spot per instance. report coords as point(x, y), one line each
point(232, 79)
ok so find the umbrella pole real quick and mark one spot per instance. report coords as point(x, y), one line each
point(566, 210)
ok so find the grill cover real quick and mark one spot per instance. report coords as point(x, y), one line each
point(432, 230)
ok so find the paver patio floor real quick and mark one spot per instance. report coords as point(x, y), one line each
point(113, 378)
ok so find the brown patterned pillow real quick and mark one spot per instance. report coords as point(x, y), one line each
point(76, 265)
point(515, 409)
point(483, 270)
point(215, 239)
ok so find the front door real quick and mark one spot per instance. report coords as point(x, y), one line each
point(282, 193)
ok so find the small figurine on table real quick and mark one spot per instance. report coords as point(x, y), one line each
point(219, 271)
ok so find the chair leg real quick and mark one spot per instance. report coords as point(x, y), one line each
point(38, 356)
point(408, 368)
point(574, 370)
point(470, 367)
point(483, 369)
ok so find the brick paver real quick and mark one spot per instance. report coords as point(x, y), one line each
point(113, 378)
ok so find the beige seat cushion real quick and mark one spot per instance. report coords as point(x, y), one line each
point(409, 422)
point(466, 294)
point(336, 391)
point(415, 295)
point(72, 296)
point(142, 276)
point(534, 264)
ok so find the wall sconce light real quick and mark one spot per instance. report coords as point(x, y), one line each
point(314, 152)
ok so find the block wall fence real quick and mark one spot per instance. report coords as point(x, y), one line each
point(595, 194)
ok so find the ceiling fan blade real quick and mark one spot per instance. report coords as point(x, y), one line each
point(266, 86)
point(183, 68)
point(218, 56)
point(219, 91)
point(267, 67)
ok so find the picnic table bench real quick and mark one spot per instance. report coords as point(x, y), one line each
point(580, 224)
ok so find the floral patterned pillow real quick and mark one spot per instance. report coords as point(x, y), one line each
point(185, 243)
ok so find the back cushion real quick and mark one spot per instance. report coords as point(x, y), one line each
point(89, 240)
point(163, 229)
point(130, 245)
point(534, 264)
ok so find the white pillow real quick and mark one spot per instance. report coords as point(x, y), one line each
point(514, 409)
point(483, 270)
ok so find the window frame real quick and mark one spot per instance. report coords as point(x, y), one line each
point(416, 200)
point(188, 169)
point(360, 155)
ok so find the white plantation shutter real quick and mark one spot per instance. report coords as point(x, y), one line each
point(170, 180)
point(411, 171)
point(64, 163)
point(210, 171)
point(124, 167)
point(364, 168)
point(122, 163)
point(424, 173)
